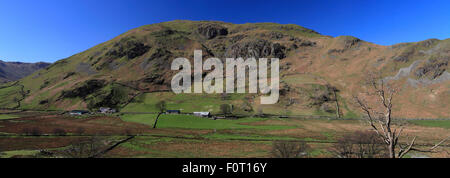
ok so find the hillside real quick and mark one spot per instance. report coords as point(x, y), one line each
point(11, 71)
point(132, 71)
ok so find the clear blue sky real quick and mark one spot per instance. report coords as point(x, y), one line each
point(49, 30)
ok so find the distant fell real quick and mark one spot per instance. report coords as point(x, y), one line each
point(11, 71)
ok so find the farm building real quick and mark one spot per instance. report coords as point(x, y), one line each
point(106, 110)
point(173, 112)
point(202, 114)
point(78, 112)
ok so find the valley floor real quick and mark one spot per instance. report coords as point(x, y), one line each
point(42, 134)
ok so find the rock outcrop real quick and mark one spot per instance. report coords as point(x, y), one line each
point(432, 68)
point(210, 31)
point(128, 47)
point(256, 48)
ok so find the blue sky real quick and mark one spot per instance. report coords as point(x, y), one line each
point(49, 30)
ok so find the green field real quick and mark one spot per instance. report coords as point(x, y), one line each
point(9, 154)
point(193, 122)
point(187, 103)
point(228, 136)
point(7, 116)
point(433, 123)
point(9, 96)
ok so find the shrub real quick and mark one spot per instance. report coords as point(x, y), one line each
point(86, 148)
point(35, 132)
point(128, 132)
point(286, 149)
point(59, 132)
point(32, 132)
point(359, 145)
point(80, 131)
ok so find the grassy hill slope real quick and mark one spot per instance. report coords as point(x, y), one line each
point(132, 71)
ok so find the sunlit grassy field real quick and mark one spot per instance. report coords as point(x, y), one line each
point(187, 103)
point(7, 116)
point(194, 122)
point(433, 123)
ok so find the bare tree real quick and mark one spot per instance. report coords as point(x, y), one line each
point(35, 131)
point(224, 96)
point(161, 106)
point(260, 112)
point(59, 132)
point(84, 148)
point(359, 145)
point(225, 109)
point(80, 131)
point(334, 90)
point(286, 149)
point(379, 115)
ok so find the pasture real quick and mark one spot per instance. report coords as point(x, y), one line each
point(187, 136)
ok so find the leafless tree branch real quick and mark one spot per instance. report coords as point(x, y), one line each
point(381, 113)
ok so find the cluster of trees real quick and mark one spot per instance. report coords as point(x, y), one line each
point(360, 145)
point(86, 148)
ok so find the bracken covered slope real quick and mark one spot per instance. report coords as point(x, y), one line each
point(132, 71)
